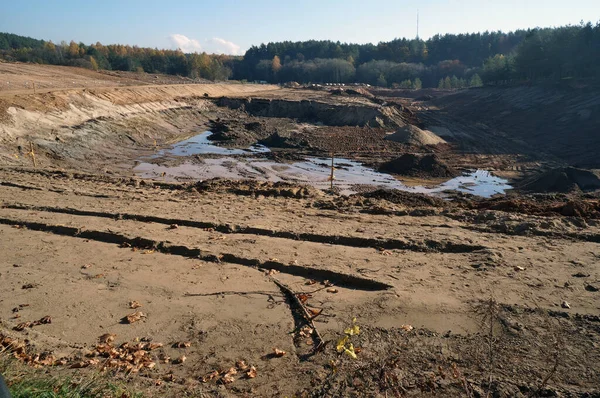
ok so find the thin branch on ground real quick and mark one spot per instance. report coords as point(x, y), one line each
point(295, 301)
point(232, 293)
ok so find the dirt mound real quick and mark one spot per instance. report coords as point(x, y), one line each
point(413, 135)
point(281, 139)
point(419, 166)
point(544, 205)
point(566, 179)
point(404, 198)
point(257, 188)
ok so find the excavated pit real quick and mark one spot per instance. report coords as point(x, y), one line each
point(329, 114)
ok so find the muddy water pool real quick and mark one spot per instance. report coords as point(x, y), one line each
point(315, 171)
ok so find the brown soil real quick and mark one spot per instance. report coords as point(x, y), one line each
point(566, 179)
point(228, 271)
point(419, 166)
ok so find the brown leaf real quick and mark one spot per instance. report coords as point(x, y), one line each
point(154, 346)
point(134, 317)
point(210, 376)
point(228, 376)
point(310, 282)
point(278, 353)
point(107, 338)
point(173, 226)
point(332, 290)
point(134, 304)
point(241, 365)
point(227, 379)
point(315, 311)
point(180, 360)
point(21, 326)
point(251, 374)
point(45, 320)
point(182, 344)
point(79, 365)
point(303, 297)
point(29, 286)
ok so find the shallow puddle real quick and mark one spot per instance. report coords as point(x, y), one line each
point(200, 144)
point(313, 171)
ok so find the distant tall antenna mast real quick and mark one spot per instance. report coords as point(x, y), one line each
point(417, 24)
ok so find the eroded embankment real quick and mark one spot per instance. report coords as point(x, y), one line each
point(79, 125)
point(330, 114)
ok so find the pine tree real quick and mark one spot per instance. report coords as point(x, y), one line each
point(454, 82)
point(418, 84)
point(475, 81)
point(441, 84)
point(447, 83)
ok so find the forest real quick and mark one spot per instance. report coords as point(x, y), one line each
point(444, 61)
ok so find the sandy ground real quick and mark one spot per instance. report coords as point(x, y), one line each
point(70, 252)
point(228, 271)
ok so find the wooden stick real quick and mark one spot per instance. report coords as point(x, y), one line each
point(331, 177)
point(307, 316)
point(227, 293)
point(32, 154)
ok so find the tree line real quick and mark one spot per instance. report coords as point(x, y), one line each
point(445, 61)
point(116, 57)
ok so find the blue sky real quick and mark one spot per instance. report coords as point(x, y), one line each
point(232, 26)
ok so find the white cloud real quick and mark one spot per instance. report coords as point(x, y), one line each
point(215, 45)
point(186, 44)
point(223, 46)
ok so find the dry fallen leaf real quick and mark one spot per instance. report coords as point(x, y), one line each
point(271, 272)
point(182, 344)
point(210, 376)
point(21, 326)
point(107, 338)
point(228, 376)
point(180, 360)
point(314, 311)
point(227, 379)
point(251, 374)
point(79, 365)
point(303, 297)
point(406, 328)
point(241, 365)
point(310, 282)
point(278, 353)
point(332, 290)
point(134, 304)
point(154, 346)
point(134, 317)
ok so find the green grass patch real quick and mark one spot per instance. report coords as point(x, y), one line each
point(26, 382)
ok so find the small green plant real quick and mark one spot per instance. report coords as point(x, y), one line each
point(345, 344)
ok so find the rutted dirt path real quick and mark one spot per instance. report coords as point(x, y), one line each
point(227, 271)
point(222, 244)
